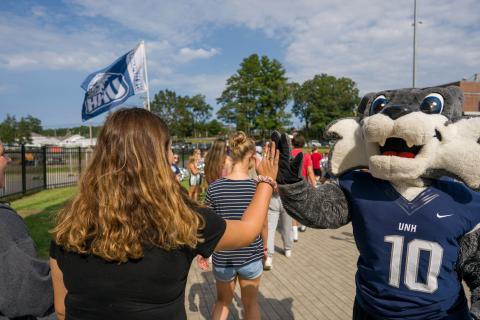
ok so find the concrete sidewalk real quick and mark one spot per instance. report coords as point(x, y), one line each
point(317, 282)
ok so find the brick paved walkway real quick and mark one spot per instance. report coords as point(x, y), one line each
point(317, 282)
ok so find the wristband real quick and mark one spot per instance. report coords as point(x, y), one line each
point(266, 179)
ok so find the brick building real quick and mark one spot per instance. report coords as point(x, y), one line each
point(471, 90)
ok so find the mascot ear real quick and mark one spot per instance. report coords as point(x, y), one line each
point(459, 151)
point(364, 103)
point(348, 151)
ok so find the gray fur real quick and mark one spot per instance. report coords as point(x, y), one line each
point(453, 98)
point(468, 267)
point(325, 207)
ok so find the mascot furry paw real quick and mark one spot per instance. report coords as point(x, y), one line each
point(414, 211)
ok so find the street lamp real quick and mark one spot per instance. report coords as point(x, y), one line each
point(414, 39)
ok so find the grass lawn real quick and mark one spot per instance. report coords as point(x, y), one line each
point(38, 211)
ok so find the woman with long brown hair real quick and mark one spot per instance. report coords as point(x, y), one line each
point(195, 178)
point(217, 162)
point(123, 247)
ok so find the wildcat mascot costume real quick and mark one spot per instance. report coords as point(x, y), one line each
point(405, 173)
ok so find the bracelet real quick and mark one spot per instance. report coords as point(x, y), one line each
point(266, 179)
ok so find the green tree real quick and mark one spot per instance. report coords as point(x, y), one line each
point(215, 128)
point(319, 101)
point(8, 129)
point(13, 131)
point(25, 127)
point(256, 96)
point(181, 113)
point(200, 111)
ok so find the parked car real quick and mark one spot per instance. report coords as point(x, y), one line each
point(315, 143)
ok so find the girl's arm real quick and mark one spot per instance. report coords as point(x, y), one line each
point(264, 235)
point(240, 233)
point(59, 290)
point(193, 168)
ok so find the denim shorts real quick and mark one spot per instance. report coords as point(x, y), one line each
point(249, 271)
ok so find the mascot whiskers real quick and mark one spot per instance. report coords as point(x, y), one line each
point(406, 170)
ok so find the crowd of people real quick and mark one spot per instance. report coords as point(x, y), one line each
point(122, 248)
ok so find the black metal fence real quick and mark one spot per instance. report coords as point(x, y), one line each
point(37, 168)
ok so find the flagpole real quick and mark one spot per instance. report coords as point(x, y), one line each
point(146, 74)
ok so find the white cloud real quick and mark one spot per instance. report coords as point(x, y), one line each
point(188, 54)
point(26, 44)
point(367, 40)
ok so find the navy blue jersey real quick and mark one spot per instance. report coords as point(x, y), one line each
point(409, 249)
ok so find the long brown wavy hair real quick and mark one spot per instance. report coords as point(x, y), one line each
point(128, 197)
point(215, 160)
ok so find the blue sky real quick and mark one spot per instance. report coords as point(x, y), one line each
point(49, 47)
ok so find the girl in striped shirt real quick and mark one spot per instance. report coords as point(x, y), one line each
point(229, 197)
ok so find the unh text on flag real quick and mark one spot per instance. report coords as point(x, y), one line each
point(114, 84)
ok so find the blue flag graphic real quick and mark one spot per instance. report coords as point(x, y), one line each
point(113, 85)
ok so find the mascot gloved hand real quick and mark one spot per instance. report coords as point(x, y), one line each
point(289, 169)
point(414, 210)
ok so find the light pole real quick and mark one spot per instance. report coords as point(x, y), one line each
point(414, 39)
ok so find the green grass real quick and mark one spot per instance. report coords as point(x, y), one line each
point(39, 210)
point(44, 201)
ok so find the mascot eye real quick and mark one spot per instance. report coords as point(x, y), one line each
point(378, 104)
point(433, 103)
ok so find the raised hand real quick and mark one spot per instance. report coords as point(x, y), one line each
point(289, 171)
point(269, 164)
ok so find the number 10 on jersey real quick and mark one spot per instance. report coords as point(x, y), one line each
point(414, 247)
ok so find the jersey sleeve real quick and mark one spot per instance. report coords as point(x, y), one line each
point(211, 233)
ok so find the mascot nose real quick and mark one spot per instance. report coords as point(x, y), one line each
point(395, 111)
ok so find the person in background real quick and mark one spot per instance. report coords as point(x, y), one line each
point(26, 290)
point(175, 168)
point(298, 142)
point(324, 164)
point(201, 168)
point(217, 163)
point(276, 212)
point(229, 197)
point(316, 159)
point(123, 247)
point(195, 177)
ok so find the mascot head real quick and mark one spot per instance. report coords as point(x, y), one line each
point(407, 136)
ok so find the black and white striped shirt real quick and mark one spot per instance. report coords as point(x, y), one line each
point(229, 199)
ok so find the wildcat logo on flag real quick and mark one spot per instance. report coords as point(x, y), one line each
point(114, 84)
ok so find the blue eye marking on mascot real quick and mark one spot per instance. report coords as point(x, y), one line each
point(378, 104)
point(109, 88)
point(433, 103)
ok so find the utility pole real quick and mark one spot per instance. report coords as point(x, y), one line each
point(414, 38)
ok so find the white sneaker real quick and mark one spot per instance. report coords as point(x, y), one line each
point(295, 234)
point(288, 253)
point(268, 264)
